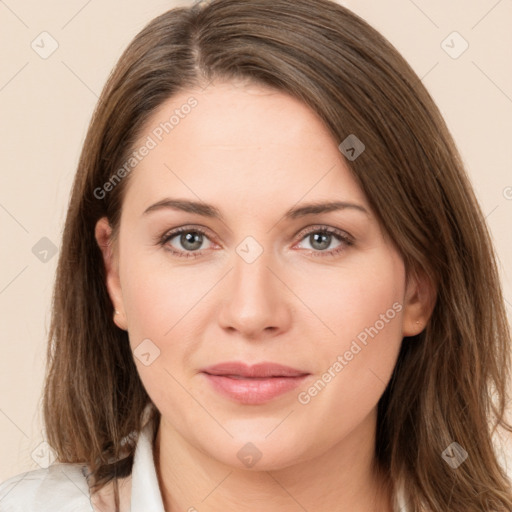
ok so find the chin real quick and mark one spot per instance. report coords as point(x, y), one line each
point(259, 455)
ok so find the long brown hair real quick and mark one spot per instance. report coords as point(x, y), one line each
point(450, 381)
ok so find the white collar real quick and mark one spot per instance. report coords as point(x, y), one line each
point(145, 490)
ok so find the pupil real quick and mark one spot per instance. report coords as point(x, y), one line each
point(321, 239)
point(191, 240)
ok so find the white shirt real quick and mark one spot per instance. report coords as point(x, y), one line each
point(63, 486)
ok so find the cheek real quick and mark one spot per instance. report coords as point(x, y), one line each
point(365, 313)
point(350, 300)
point(368, 322)
point(159, 295)
point(164, 306)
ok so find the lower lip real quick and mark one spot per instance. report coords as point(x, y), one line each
point(254, 391)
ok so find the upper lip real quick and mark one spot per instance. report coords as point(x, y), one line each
point(265, 369)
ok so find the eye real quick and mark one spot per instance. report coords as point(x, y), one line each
point(321, 238)
point(188, 244)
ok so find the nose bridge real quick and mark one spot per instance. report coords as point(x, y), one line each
point(251, 273)
point(252, 279)
point(256, 300)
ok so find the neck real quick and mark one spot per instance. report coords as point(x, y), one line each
point(344, 479)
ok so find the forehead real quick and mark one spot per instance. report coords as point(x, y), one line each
point(239, 144)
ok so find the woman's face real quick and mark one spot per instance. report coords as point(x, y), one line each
point(257, 276)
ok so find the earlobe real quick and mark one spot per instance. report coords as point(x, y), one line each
point(419, 302)
point(103, 232)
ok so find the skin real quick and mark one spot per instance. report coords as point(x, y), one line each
point(254, 152)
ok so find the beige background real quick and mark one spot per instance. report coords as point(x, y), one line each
point(46, 105)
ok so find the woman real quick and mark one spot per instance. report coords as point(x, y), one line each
point(276, 288)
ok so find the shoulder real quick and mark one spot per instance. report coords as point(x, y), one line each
point(61, 487)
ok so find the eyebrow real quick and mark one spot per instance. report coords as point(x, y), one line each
point(208, 210)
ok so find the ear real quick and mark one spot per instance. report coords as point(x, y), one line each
point(103, 234)
point(419, 302)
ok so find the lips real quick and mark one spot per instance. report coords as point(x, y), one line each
point(254, 384)
point(260, 370)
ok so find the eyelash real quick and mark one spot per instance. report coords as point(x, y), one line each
point(340, 235)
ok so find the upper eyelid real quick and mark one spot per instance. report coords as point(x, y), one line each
point(171, 233)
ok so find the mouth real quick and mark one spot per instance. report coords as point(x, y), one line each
point(252, 385)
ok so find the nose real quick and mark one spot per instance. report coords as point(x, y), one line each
point(256, 302)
